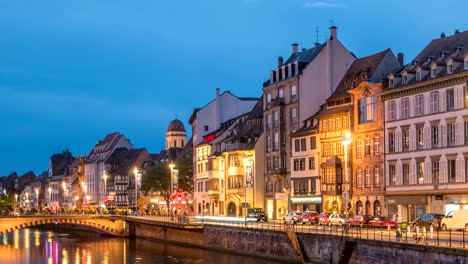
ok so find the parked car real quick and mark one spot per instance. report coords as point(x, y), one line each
point(428, 220)
point(337, 219)
point(323, 218)
point(360, 220)
point(457, 219)
point(257, 213)
point(293, 217)
point(310, 218)
point(382, 221)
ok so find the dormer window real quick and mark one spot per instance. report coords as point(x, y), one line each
point(284, 73)
point(419, 75)
point(449, 68)
point(404, 79)
point(268, 98)
point(433, 71)
point(290, 70)
point(391, 81)
point(281, 93)
point(430, 58)
point(466, 64)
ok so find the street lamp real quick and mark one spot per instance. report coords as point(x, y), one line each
point(136, 187)
point(244, 159)
point(346, 142)
point(105, 184)
point(37, 198)
point(170, 189)
point(50, 198)
point(16, 201)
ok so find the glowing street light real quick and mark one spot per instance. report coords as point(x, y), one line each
point(171, 166)
point(346, 194)
point(137, 174)
point(37, 198)
point(50, 195)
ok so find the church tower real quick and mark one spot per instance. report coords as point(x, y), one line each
point(176, 136)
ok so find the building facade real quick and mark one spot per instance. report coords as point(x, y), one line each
point(426, 131)
point(295, 90)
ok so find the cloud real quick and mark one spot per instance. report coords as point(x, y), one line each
point(320, 4)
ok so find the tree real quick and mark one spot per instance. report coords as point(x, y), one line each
point(185, 166)
point(157, 179)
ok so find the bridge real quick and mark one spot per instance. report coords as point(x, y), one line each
point(107, 225)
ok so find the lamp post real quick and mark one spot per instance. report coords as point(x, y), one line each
point(105, 185)
point(244, 159)
point(16, 201)
point(136, 188)
point(346, 142)
point(37, 198)
point(50, 198)
point(170, 189)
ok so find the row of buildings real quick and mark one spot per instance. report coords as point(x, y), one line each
point(388, 137)
point(108, 177)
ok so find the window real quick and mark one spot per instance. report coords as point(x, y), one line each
point(391, 82)
point(435, 172)
point(391, 141)
point(391, 111)
point(449, 68)
point(268, 98)
point(302, 164)
point(338, 123)
point(451, 134)
point(276, 144)
point(359, 178)
point(269, 143)
point(419, 75)
point(466, 132)
point(206, 128)
point(420, 172)
point(404, 108)
point(376, 177)
point(367, 178)
point(311, 163)
point(376, 146)
point(419, 104)
point(297, 146)
point(303, 144)
point(433, 72)
point(391, 175)
point(367, 149)
point(358, 148)
point(434, 102)
point(406, 174)
point(293, 116)
point(367, 109)
point(404, 79)
point(466, 64)
point(435, 136)
point(313, 143)
point(296, 164)
point(269, 167)
point(268, 121)
point(419, 137)
point(405, 141)
point(293, 93)
point(276, 119)
point(450, 99)
point(452, 170)
point(281, 93)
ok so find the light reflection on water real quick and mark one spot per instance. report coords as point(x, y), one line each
point(36, 246)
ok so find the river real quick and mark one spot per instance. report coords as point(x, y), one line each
point(52, 247)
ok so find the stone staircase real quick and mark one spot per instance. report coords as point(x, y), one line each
point(295, 243)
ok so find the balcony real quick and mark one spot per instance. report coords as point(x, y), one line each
point(214, 194)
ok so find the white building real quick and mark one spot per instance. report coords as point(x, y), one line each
point(426, 131)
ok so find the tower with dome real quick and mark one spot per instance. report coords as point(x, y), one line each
point(176, 136)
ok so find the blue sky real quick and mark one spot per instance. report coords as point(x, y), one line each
point(73, 71)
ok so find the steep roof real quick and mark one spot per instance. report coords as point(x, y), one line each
point(122, 159)
point(60, 162)
point(362, 69)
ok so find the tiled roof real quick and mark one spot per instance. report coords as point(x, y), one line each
point(437, 51)
point(364, 69)
point(60, 162)
point(123, 159)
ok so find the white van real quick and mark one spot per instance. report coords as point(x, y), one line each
point(457, 219)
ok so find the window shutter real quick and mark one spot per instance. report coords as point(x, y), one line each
point(412, 138)
point(398, 173)
point(443, 170)
point(459, 173)
point(444, 135)
point(427, 137)
point(397, 141)
point(386, 143)
point(459, 97)
point(443, 101)
point(458, 133)
point(412, 172)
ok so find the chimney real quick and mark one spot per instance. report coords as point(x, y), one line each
point(442, 35)
point(401, 58)
point(303, 49)
point(457, 31)
point(280, 61)
point(294, 47)
point(333, 32)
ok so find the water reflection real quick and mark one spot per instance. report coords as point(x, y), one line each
point(61, 247)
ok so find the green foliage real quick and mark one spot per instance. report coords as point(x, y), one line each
point(157, 179)
point(185, 166)
point(6, 201)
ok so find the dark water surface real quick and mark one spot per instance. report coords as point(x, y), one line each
point(36, 246)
